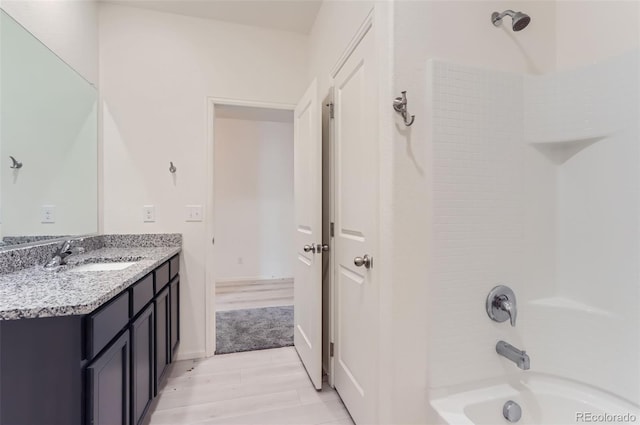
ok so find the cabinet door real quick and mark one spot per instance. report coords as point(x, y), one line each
point(162, 335)
point(142, 370)
point(108, 385)
point(175, 315)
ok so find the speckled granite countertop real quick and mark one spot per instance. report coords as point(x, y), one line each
point(35, 292)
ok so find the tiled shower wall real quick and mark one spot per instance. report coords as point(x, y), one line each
point(536, 185)
point(478, 212)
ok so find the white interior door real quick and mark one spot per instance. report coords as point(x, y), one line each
point(355, 242)
point(308, 238)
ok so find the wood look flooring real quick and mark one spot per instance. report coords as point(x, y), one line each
point(253, 294)
point(267, 387)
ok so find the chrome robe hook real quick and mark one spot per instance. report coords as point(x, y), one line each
point(15, 164)
point(400, 105)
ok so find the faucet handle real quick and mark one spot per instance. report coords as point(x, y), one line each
point(509, 307)
point(501, 305)
point(63, 247)
point(75, 250)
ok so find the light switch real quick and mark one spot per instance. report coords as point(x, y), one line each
point(193, 213)
point(48, 214)
point(149, 214)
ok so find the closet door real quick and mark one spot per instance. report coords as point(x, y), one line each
point(307, 286)
point(356, 231)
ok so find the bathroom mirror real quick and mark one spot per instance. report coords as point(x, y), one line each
point(48, 142)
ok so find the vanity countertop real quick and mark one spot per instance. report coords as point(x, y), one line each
point(35, 292)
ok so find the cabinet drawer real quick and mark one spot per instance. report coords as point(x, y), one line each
point(162, 276)
point(104, 324)
point(141, 294)
point(175, 266)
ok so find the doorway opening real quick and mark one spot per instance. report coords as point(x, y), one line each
point(253, 220)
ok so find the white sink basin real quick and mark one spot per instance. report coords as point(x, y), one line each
point(102, 267)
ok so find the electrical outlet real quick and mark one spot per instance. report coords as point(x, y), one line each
point(48, 214)
point(193, 213)
point(149, 214)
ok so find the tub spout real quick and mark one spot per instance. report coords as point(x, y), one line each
point(520, 358)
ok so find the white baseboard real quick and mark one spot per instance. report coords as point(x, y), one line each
point(251, 279)
point(190, 355)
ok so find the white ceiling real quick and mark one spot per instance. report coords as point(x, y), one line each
point(286, 15)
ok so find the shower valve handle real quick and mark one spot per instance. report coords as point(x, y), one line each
point(501, 305)
point(506, 305)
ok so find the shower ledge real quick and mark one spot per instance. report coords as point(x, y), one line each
point(560, 151)
point(569, 304)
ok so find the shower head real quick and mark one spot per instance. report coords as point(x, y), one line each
point(519, 20)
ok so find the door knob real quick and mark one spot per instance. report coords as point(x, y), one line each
point(365, 261)
point(323, 247)
point(309, 248)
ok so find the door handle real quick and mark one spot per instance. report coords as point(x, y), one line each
point(309, 248)
point(365, 261)
point(322, 247)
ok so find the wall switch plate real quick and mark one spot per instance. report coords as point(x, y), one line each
point(48, 214)
point(193, 213)
point(149, 214)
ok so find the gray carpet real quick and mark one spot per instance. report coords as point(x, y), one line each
point(254, 329)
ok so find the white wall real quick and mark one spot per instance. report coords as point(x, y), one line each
point(590, 31)
point(335, 25)
point(68, 27)
point(156, 72)
point(253, 199)
point(459, 32)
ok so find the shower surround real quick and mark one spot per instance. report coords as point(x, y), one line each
point(536, 185)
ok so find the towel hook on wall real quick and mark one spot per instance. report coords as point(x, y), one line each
point(400, 105)
point(172, 168)
point(15, 164)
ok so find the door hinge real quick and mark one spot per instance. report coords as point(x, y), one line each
point(331, 110)
point(331, 349)
point(331, 229)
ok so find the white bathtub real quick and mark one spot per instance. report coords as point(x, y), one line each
point(544, 400)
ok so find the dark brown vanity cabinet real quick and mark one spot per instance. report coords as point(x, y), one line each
point(108, 385)
point(162, 336)
point(142, 365)
point(174, 300)
point(103, 368)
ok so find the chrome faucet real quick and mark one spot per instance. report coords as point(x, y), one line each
point(520, 358)
point(62, 253)
point(501, 305)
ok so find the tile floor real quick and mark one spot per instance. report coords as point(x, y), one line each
point(255, 387)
